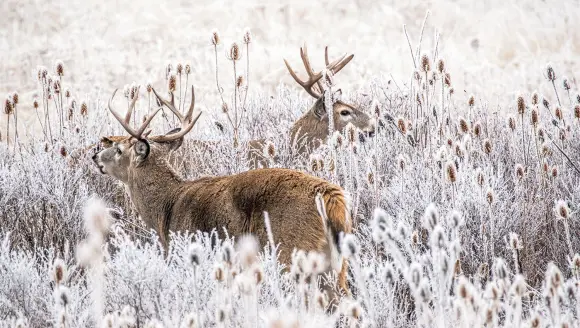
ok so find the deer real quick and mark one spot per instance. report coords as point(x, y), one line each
point(166, 202)
point(311, 129)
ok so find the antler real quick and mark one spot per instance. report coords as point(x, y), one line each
point(138, 134)
point(187, 121)
point(313, 78)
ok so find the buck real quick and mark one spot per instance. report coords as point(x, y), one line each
point(237, 202)
point(312, 129)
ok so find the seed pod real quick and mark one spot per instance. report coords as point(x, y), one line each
point(172, 83)
point(447, 80)
point(451, 171)
point(84, 109)
point(247, 36)
point(521, 105)
point(490, 196)
point(512, 123)
point(477, 129)
point(8, 106)
point(535, 98)
point(550, 74)
point(463, 125)
point(179, 68)
point(187, 69)
point(215, 37)
point(441, 66)
point(471, 101)
point(234, 53)
point(566, 84)
point(558, 113)
point(425, 63)
point(35, 103)
point(402, 126)
point(59, 68)
point(535, 117)
point(487, 146)
point(577, 111)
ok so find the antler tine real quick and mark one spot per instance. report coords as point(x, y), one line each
point(169, 104)
point(191, 107)
point(326, 55)
point(135, 134)
point(339, 64)
point(132, 106)
point(184, 130)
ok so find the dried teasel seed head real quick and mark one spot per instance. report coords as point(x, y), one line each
point(172, 83)
point(451, 171)
point(441, 66)
point(84, 109)
point(451, 91)
point(269, 150)
point(471, 101)
point(63, 152)
point(541, 134)
point(187, 68)
point(179, 68)
point(425, 63)
point(56, 86)
point(577, 111)
point(480, 178)
point(546, 103)
point(234, 53)
point(218, 273)
point(490, 196)
point(8, 106)
point(35, 103)
point(67, 93)
point(247, 36)
point(521, 103)
point(239, 81)
point(15, 98)
point(520, 171)
point(535, 98)
point(149, 87)
point(215, 37)
point(487, 146)
point(566, 84)
point(562, 134)
point(558, 113)
point(535, 117)
point(338, 140)
point(550, 74)
point(351, 133)
point(477, 129)
point(463, 125)
point(447, 80)
point(59, 271)
point(401, 162)
point(554, 171)
point(59, 68)
point(512, 123)
point(402, 125)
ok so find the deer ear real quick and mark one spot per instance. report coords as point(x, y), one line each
point(141, 149)
point(106, 142)
point(337, 95)
point(319, 109)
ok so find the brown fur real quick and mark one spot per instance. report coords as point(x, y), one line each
point(166, 203)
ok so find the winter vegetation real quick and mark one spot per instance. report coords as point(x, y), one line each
point(464, 203)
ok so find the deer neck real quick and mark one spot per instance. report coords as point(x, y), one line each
point(152, 188)
point(309, 132)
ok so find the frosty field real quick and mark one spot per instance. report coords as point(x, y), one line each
point(464, 202)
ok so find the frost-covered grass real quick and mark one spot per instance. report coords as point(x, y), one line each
point(466, 209)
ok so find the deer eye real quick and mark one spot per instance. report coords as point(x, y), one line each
point(118, 150)
point(344, 113)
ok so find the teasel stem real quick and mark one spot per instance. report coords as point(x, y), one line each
point(247, 75)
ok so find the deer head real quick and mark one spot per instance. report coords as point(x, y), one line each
point(313, 125)
point(121, 154)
